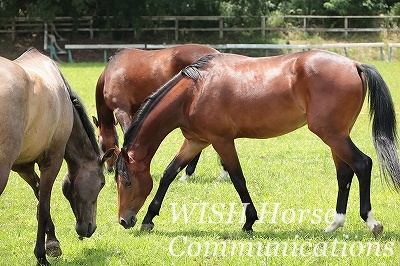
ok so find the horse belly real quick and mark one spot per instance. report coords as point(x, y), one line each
point(268, 124)
point(266, 113)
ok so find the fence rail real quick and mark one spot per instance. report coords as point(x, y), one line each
point(219, 24)
point(222, 47)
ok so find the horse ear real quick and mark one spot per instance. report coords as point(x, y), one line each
point(95, 121)
point(107, 155)
point(116, 150)
point(115, 122)
point(125, 155)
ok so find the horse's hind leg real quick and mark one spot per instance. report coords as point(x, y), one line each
point(224, 172)
point(344, 175)
point(190, 168)
point(28, 173)
point(361, 164)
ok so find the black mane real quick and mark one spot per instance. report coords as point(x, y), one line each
point(151, 101)
point(191, 71)
point(146, 107)
point(80, 109)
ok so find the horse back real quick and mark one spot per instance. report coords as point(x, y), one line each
point(272, 96)
point(132, 75)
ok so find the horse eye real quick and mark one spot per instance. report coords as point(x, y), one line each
point(128, 184)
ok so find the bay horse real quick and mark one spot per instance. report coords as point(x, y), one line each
point(222, 97)
point(129, 77)
point(44, 122)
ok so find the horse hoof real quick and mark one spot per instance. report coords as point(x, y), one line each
point(43, 262)
point(53, 248)
point(247, 230)
point(184, 178)
point(377, 230)
point(147, 227)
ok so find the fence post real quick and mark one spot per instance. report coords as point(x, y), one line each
point(305, 24)
point(45, 37)
point(13, 32)
point(91, 28)
point(221, 28)
point(346, 26)
point(176, 29)
point(263, 25)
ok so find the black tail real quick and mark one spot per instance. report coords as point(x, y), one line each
point(384, 131)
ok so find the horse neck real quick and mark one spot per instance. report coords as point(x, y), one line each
point(79, 149)
point(160, 121)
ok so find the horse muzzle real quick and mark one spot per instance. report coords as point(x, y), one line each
point(85, 229)
point(129, 220)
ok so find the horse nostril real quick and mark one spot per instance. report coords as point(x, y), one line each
point(128, 224)
point(123, 223)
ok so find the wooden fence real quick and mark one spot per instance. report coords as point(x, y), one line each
point(222, 47)
point(218, 24)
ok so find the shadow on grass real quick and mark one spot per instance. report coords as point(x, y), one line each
point(284, 235)
point(87, 256)
point(101, 255)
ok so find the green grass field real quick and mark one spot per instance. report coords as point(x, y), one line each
point(290, 178)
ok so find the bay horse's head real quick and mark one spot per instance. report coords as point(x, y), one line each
point(134, 185)
point(107, 138)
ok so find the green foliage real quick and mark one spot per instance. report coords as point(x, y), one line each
point(353, 7)
point(337, 6)
point(127, 12)
point(396, 12)
point(8, 9)
point(45, 9)
point(395, 9)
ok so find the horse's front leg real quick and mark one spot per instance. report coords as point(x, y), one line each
point(49, 169)
point(186, 154)
point(227, 151)
point(27, 172)
point(123, 117)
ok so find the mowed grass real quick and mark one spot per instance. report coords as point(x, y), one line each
point(290, 178)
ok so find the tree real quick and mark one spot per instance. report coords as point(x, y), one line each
point(355, 7)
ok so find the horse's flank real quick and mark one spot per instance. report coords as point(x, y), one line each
point(42, 129)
